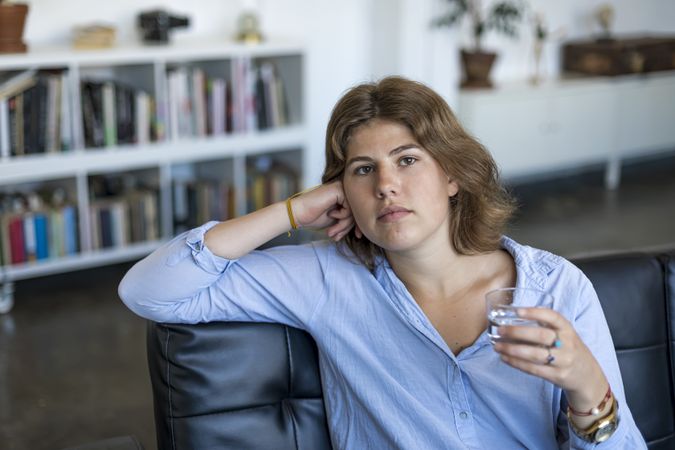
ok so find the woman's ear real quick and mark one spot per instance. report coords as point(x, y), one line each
point(357, 232)
point(453, 188)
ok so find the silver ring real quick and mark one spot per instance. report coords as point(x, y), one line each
point(550, 358)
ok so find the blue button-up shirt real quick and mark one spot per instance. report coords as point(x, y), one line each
point(389, 379)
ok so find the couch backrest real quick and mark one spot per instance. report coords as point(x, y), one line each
point(257, 386)
point(235, 386)
point(636, 293)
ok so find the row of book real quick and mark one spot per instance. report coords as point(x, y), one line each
point(121, 220)
point(35, 107)
point(31, 230)
point(34, 113)
point(266, 185)
point(116, 114)
point(122, 211)
point(197, 202)
point(253, 98)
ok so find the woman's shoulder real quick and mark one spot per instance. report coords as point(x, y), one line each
point(540, 263)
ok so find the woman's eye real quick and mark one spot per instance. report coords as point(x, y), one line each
point(407, 161)
point(363, 170)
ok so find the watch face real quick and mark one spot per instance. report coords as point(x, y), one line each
point(604, 432)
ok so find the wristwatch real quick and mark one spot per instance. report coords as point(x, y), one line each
point(601, 429)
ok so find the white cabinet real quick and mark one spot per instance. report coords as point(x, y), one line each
point(172, 135)
point(645, 115)
point(534, 131)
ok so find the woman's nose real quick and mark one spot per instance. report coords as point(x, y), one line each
point(387, 183)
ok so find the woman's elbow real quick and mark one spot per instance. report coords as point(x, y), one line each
point(127, 291)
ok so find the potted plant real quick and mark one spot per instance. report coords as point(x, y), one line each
point(502, 17)
point(12, 21)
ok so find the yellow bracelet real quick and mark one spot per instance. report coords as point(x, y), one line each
point(289, 209)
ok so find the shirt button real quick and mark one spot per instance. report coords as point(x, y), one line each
point(463, 415)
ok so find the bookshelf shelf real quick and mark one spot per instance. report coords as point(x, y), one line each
point(131, 141)
point(57, 165)
point(76, 262)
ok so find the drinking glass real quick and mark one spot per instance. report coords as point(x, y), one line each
point(501, 312)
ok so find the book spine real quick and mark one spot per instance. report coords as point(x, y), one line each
point(109, 114)
point(41, 238)
point(4, 237)
point(30, 240)
point(70, 243)
point(51, 118)
point(17, 241)
point(66, 131)
point(4, 128)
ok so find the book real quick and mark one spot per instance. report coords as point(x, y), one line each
point(199, 102)
point(143, 114)
point(70, 244)
point(16, 238)
point(41, 237)
point(109, 114)
point(30, 240)
point(65, 131)
point(13, 83)
point(56, 233)
point(5, 128)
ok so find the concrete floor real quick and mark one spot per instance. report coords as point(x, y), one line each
point(72, 357)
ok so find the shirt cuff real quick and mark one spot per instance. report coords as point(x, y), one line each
point(201, 254)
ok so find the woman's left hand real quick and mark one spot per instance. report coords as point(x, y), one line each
point(554, 352)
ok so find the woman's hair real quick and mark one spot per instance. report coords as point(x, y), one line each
point(481, 208)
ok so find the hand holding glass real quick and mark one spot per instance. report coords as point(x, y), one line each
point(501, 312)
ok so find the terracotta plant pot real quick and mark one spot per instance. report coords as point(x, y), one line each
point(477, 67)
point(12, 21)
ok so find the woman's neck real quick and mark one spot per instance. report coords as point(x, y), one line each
point(439, 270)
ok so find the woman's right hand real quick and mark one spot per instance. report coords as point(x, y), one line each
point(324, 207)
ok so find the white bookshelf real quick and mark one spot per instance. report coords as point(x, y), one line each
point(160, 162)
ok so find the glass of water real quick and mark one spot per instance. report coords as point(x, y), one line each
point(501, 312)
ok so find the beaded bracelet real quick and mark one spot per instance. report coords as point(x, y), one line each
point(593, 411)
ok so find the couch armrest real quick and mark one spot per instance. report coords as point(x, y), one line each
point(235, 385)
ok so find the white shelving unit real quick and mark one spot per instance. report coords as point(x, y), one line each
point(560, 125)
point(160, 162)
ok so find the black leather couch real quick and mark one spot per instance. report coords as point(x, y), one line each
point(257, 386)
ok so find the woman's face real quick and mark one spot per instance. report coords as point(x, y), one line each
point(397, 191)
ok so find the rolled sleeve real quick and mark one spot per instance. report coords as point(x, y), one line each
point(201, 254)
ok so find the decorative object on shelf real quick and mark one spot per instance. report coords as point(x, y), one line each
point(248, 28)
point(12, 21)
point(502, 17)
point(609, 55)
point(156, 24)
point(93, 36)
point(604, 16)
point(541, 34)
point(619, 56)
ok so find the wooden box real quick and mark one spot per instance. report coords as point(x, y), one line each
point(609, 57)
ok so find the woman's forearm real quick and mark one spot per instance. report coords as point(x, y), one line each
point(237, 237)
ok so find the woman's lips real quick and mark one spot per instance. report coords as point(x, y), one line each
point(392, 214)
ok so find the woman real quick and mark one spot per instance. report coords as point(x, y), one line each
point(396, 302)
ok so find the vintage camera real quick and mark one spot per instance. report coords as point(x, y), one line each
point(156, 24)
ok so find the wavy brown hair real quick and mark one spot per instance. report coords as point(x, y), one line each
point(481, 208)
